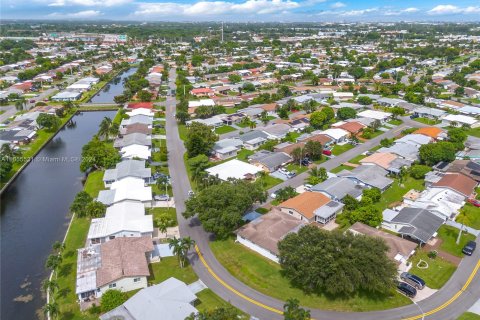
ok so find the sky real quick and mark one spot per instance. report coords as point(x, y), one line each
point(244, 10)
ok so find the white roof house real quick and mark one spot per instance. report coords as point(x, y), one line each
point(443, 202)
point(374, 114)
point(126, 189)
point(170, 300)
point(79, 87)
point(136, 151)
point(461, 120)
point(125, 219)
point(234, 169)
point(336, 134)
point(203, 102)
point(141, 111)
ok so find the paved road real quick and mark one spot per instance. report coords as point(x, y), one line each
point(9, 111)
point(268, 308)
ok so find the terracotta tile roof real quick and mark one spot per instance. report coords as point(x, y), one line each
point(306, 203)
point(458, 182)
point(138, 105)
point(123, 257)
point(138, 128)
point(382, 159)
point(323, 139)
point(430, 131)
point(352, 127)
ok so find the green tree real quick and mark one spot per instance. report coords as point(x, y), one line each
point(49, 121)
point(336, 263)
point(105, 127)
point(53, 262)
point(293, 311)
point(198, 165)
point(432, 153)
point(317, 175)
point(234, 78)
point(285, 193)
point(373, 193)
point(95, 209)
point(318, 119)
point(79, 204)
point(97, 155)
point(419, 171)
point(144, 95)
point(112, 299)
point(366, 213)
point(220, 207)
point(51, 309)
point(364, 100)
point(313, 149)
point(200, 139)
point(345, 113)
point(222, 313)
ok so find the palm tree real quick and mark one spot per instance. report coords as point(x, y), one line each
point(317, 175)
point(114, 129)
point(105, 127)
point(50, 286)
point(463, 218)
point(252, 124)
point(53, 262)
point(51, 309)
point(186, 243)
point(162, 181)
point(58, 247)
point(175, 244)
point(19, 105)
point(163, 223)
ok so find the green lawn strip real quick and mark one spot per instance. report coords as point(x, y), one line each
point(170, 213)
point(224, 129)
point(293, 167)
point(395, 122)
point(427, 121)
point(469, 316)
point(208, 300)
point(341, 168)
point(473, 216)
point(339, 149)
point(269, 181)
point(437, 273)
point(474, 132)
point(265, 276)
point(242, 125)
point(244, 154)
point(169, 267)
point(449, 236)
point(357, 159)
point(94, 183)
point(397, 190)
point(182, 131)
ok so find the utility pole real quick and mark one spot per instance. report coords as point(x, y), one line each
point(222, 31)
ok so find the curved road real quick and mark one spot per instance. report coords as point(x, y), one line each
point(457, 296)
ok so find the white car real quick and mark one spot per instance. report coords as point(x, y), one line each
point(307, 187)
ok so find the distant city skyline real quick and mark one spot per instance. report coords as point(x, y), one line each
point(245, 10)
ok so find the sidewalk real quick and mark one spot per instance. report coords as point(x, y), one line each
point(457, 225)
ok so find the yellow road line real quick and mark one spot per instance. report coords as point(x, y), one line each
point(443, 306)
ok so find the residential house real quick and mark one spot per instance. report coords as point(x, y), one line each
point(432, 132)
point(415, 223)
point(120, 264)
point(138, 151)
point(312, 207)
point(468, 168)
point(17, 136)
point(337, 135)
point(443, 202)
point(381, 159)
point(458, 120)
point(140, 105)
point(127, 189)
point(449, 104)
point(136, 128)
point(277, 131)
point(406, 151)
point(227, 148)
point(336, 188)
point(457, 182)
point(133, 139)
point(142, 119)
point(269, 161)
point(125, 219)
point(172, 299)
point(389, 102)
point(234, 169)
point(127, 169)
point(399, 250)
point(352, 127)
point(67, 96)
point(263, 234)
point(375, 115)
point(430, 113)
point(370, 176)
point(253, 139)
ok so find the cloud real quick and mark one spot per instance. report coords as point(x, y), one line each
point(356, 13)
point(337, 5)
point(443, 9)
point(402, 11)
point(87, 3)
point(215, 8)
point(77, 15)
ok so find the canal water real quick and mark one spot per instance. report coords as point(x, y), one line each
point(34, 214)
point(113, 88)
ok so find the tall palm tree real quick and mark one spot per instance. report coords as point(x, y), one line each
point(186, 243)
point(50, 286)
point(105, 127)
point(176, 245)
point(51, 309)
point(163, 223)
point(463, 219)
point(53, 262)
point(162, 181)
point(58, 247)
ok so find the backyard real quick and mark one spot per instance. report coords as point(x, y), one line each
point(265, 276)
point(427, 121)
point(224, 129)
point(394, 194)
point(341, 168)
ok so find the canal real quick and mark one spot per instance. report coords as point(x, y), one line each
point(34, 214)
point(113, 88)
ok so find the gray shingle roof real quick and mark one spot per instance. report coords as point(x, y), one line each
point(128, 168)
point(420, 223)
point(338, 188)
point(371, 175)
point(133, 138)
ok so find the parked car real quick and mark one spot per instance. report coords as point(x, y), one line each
point(327, 152)
point(306, 162)
point(273, 195)
point(413, 280)
point(469, 248)
point(191, 193)
point(162, 197)
point(475, 202)
point(307, 187)
point(407, 289)
point(32, 101)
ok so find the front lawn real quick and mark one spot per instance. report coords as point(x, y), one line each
point(427, 121)
point(339, 149)
point(394, 194)
point(208, 300)
point(244, 154)
point(437, 273)
point(169, 267)
point(469, 316)
point(357, 159)
point(268, 181)
point(170, 213)
point(182, 131)
point(224, 129)
point(395, 122)
point(296, 168)
point(449, 236)
point(474, 132)
point(265, 276)
point(94, 183)
point(473, 215)
point(341, 168)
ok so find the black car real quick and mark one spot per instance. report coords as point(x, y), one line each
point(469, 248)
point(413, 280)
point(407, 289)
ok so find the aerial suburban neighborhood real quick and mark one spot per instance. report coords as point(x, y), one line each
point(220, 169)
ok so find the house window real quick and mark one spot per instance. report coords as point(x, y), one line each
point(111, 237)
point(291, 212)
point(136, 279)
point(112, 285)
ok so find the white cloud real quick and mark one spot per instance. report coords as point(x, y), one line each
point(337, 5)
point(78, 15)
point(443, 9)
point(216, 8)
point(355, 13)
point(402, 11)
point(87, 3)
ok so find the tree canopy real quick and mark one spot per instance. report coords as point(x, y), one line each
point(220, 207)
point(112, 299)
point(433, 153)
point(200, 139)
point(98, 154)
point(336, 263)
point(345, 113)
